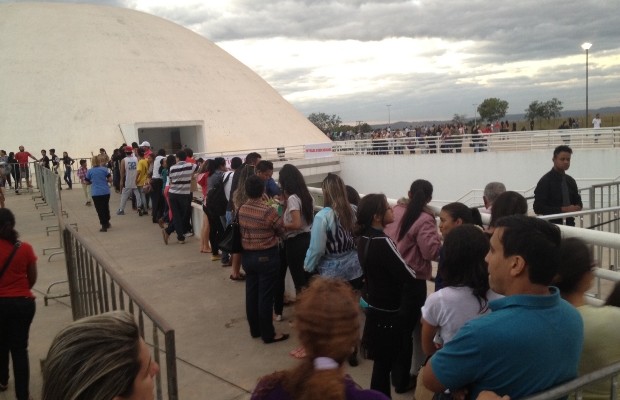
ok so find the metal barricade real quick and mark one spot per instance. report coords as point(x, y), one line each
point(576, 386)
point(96, 288)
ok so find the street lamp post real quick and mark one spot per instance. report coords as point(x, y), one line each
point(389, 117)
point(475, 113)
point(586, 46)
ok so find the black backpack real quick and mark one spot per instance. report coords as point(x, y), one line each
point(216, 197)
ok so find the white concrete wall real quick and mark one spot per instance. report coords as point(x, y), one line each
point(454, 175)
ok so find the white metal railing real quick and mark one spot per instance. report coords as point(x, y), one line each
point(576, 386)
point(282, 153)
point(503, 141)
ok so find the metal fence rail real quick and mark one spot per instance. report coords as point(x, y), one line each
point(96, 288)
point(576, 386)
point(503, 141)
point(602, 232)
point(267, 153)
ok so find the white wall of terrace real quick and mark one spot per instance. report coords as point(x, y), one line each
point(455, 174)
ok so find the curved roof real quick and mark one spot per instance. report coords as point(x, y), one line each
point(72, 75)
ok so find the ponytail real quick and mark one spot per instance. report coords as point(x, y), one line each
point(421, 192)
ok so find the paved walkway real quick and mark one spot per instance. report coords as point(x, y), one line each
point(217, 358)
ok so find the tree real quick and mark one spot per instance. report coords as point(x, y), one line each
point(492, 109)
point(459, 119)
point(325, 122)
point(535, 111)
point(539, 110)
point(365, 128)
point(553, 108)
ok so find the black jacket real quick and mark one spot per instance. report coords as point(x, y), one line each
point(548, 195)
point(385, 270)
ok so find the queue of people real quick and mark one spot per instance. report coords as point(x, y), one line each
point(496, 294)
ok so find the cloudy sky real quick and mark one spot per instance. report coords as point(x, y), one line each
point(427, 59)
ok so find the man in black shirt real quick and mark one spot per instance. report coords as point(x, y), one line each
point(556, 192)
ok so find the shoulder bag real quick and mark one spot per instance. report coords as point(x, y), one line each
point(231, 239)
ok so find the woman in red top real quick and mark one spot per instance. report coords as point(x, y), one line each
point(18, 273)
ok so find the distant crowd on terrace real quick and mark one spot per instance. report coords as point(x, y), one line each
point(447, 138)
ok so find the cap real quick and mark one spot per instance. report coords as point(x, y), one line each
point(145, 144)
point(128, 149)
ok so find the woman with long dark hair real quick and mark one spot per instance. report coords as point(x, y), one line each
point(385, 275)
point(418, 243)
point(453, 215)
point(216, 170)
point(18, 274)
point(466, 292)
point(297, 216)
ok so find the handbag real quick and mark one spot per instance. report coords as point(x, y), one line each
point(147, 188)
point(231, 239)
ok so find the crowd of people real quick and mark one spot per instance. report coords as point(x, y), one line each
point(496, 320)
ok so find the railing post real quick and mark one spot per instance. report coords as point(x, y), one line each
point(70, 261)
point(171, 366)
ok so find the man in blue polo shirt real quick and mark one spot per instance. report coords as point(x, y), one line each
point(532, 340)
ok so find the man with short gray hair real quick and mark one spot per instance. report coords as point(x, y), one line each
point(491, 192)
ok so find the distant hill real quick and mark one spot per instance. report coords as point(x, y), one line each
point(509, 117)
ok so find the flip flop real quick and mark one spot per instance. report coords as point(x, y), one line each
point(298, 353)
point(241, 277)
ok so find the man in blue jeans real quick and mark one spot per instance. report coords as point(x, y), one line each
point(260, 226)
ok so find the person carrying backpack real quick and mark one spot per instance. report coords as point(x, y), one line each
point(216, 204)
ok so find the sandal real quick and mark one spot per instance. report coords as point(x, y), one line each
point(298, 353)
point(241, 277)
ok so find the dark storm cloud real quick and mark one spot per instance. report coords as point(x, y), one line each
point(496, 36)
point(514, 30)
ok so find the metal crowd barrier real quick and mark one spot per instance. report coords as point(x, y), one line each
point(48, 183)
point(604, 195)
point(576, 386)
point(602, 231)
point(97, 288)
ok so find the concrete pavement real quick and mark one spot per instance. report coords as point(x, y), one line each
point(217, 358)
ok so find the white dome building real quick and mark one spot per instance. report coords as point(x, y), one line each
point(78, 77)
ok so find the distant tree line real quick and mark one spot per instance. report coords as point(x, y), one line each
point(490, 110)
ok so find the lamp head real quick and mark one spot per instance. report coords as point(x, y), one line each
point(586, 46)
